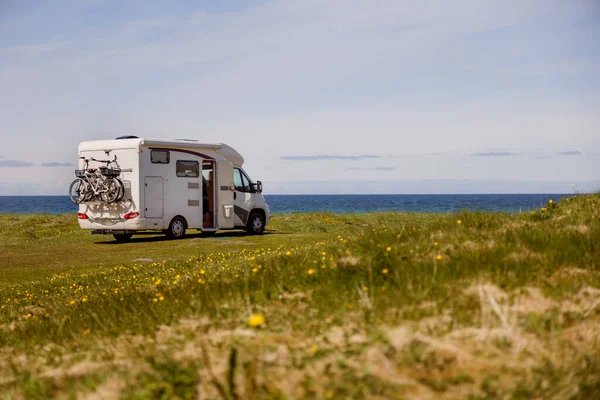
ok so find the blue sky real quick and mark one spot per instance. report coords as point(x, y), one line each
point(478, 95)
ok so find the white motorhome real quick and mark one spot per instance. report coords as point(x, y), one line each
point(173, 185)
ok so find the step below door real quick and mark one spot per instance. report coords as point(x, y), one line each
point(153, 197)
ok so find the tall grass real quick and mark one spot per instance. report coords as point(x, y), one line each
point(355, 306)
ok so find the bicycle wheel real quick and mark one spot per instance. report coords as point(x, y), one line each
point(121, 189)
point(109, 191)
point(78, 191)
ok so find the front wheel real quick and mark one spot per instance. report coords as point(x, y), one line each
point(78, 191)
point(122, 237)
point(176, 228)
point(256, 224)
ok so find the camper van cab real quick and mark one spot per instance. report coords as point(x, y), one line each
point(172, 186)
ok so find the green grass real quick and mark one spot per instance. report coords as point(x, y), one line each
point(384, 305)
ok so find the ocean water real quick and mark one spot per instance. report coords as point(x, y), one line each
point(332, 203)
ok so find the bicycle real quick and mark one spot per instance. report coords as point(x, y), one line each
point(92, 183)
point(111, 176)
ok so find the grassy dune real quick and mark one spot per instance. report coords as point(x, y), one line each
point(371, 306)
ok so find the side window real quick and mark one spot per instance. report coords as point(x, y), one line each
point(159, 156)
point(237, 180)
point(188, 169)
point(247, 182)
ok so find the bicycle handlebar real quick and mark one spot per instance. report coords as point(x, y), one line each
point(105, 161)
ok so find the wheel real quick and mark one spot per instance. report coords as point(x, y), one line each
point(110, 190)
point(176, 228)
point(122, 237)
point(256, 224)
point(121, 189)
point(78, 190)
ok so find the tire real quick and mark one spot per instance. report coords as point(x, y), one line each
point(176, 228)
point(121, 189)
point(78, 190)
point(110, 190)
point(256, 223)
point(122, 237)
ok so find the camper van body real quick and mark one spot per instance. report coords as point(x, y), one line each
point(173, 184)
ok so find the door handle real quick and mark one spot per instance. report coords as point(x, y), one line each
point(234, 195)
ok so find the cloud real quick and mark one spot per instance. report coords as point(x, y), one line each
point(493, 154)
point(15, 163)
point(327, 157)
point(570, 153)
point(383, 169)
point(56, 164)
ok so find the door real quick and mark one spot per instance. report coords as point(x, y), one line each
point(153, 197)
point(243, 198)
point(225, 214)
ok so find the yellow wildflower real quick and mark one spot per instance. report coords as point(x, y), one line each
point(384, 271)
point(438, 257)
point(459, 222)
point(310, 271)
point(313, 349)
point(288, 253)
point(388, 248)
point(256, 320)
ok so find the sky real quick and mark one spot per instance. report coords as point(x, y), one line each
point(327, 96)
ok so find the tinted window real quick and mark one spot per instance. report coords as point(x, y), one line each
point(247, 182)
point(159, 156)
point(190, 169)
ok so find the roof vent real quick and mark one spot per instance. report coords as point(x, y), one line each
point(127, 137)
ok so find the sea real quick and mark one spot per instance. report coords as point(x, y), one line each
point(335, 203)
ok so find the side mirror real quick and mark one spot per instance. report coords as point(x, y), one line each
point(259, 186)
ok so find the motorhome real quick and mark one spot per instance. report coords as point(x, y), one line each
point(171, 185)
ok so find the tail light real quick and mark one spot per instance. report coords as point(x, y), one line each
point(82, 216)
point(131, 215)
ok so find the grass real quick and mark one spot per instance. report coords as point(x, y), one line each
point(384, 305)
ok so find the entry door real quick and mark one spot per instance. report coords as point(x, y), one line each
point(243, 198)
point(153, 197)
point(224, 185)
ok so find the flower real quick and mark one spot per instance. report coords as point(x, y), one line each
point(313, 349)
point(435, 243)
point(288, 253)
point(389, 248)
point(310, 271)
point(438, 257)
point(256, 320)
point(459, 222)
point(384, 271)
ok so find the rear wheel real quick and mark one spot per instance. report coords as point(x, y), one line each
point(110, 190)
point(78, 190)
point(176, 228)
point(121, 189)
point(256, 223)
point(122, 237)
